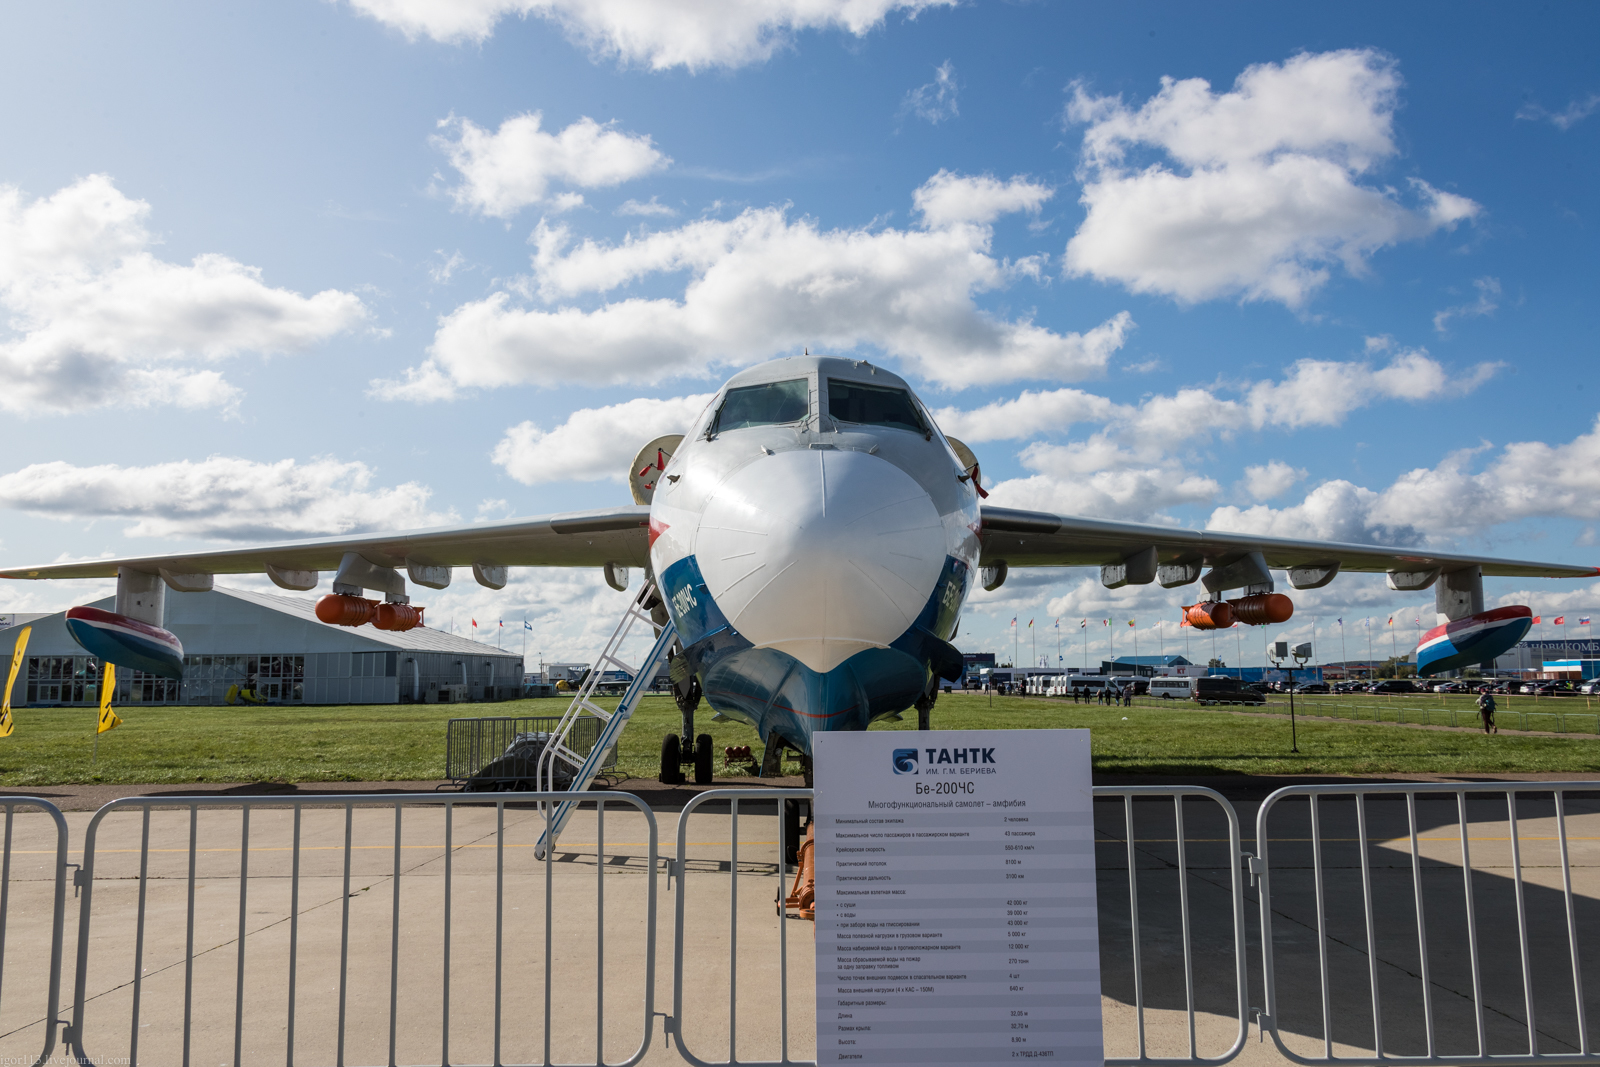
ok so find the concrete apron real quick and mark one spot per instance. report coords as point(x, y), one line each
point(575, 877)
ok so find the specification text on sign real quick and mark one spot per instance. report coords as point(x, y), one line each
point(955, 898)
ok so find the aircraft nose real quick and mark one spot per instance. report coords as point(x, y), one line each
point(821, 553)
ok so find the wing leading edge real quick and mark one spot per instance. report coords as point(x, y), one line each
point(1040, 539)
point(575, 539)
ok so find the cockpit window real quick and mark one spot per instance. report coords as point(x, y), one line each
point(874, 405)
point(764, 405)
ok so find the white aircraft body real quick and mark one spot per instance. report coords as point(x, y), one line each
point(814, 538)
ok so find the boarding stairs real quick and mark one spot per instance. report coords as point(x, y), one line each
point(612, 722)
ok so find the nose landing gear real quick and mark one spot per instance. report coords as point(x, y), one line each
point(677, 751)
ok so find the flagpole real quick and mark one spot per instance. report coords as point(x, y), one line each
point(1084, 629)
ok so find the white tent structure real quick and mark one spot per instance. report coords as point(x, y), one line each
point(275, 646)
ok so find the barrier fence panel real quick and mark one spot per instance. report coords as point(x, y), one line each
point(1430, 923)
point(1185, 981)
point(365, 929)
point(33, 884)
point(765, 1030)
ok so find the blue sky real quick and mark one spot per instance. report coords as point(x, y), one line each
point(304, 268)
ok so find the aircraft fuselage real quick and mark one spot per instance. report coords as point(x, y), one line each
point(815, 539)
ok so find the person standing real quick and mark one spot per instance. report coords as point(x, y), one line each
point(1486, 711)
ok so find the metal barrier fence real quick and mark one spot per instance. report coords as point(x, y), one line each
point(54, 898)
point(1150, 861)
point(771, 853)
point(1163, 865)
point(501, 751)
point(1439, 929)
point(279, 853)
point(1403, 923)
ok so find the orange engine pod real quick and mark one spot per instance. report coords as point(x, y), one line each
point(1263, 609)
point(338, 610)
point(1210, 615)
point(400, 617)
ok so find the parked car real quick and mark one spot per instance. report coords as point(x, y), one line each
point(1590, 688)
point(1312, 687)
point(1452, 687)
point(1259, 687)
point(1394, 685)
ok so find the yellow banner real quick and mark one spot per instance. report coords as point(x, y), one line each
point(109, 720)
point(7, 724)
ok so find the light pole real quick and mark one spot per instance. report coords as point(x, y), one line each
point(1280, 652)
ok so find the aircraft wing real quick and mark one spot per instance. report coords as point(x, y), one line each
point(575, 539)
point(1040, 539)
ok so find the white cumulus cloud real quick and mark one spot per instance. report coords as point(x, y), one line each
point(96, 318)
point(1311, 393)
point(1524, 480)
point(506, 170)
point(1322, 392)
point(1257, 192)
point(222, 497)
point(594, 443)
point(761, 284)
point(659, 34)
point(1270, 479)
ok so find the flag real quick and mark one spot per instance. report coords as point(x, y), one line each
point(1391, 621)
point(1583, 620)
point(526, 625)
point(1560, 620)
point(1130, 622)
point(1105, 622)
point(1083, 624)
point(6, 724)
point(474, 624)
point(109, 720)
point(1030, 624)
point(1340, 622)
point(1537, 620)
point(1058, 624)
point(502, 624)
point(1013, 620)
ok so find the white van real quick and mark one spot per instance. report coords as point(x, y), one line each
point(1172, 688)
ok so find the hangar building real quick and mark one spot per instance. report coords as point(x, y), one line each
point(276, 645)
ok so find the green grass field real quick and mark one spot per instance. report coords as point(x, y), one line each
point(407, 742)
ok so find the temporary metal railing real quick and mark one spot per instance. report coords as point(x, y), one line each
point(541, 805)
point(1181, 865)
point(1138, 849)
point(58, 907)
point(1412, 959)
point(734, 797)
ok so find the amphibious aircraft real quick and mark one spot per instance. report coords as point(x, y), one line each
point(813, 539)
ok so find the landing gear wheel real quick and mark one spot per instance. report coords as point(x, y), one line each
point(670, 762)
point(702, 760)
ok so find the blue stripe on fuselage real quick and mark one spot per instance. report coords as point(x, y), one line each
point(774, 692)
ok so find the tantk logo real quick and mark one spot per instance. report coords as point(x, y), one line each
point(905, 761)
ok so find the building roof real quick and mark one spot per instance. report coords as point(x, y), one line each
point(243, 622)
point(1153, 661)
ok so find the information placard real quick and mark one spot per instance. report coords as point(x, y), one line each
point(955, 898)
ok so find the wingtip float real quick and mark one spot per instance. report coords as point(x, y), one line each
point(126, 642)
